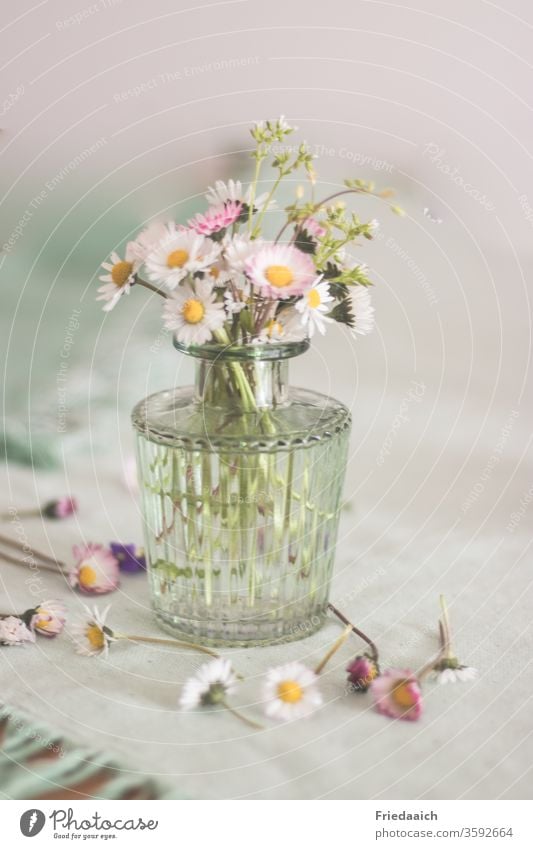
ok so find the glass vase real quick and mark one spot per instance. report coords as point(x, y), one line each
point(241, 478)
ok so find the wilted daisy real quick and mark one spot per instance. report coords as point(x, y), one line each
point(92, 637)
point(291, 692)
point(13, 632)
point(362, 670)
point(280, 271)
point(96, 570)
point(179, 253)
point(47, 619)
point(360, 304)
point(60, 508)
point(119, 278)
point(194, 314)
point(313, 306)
point(216, 218)
point(397, 694)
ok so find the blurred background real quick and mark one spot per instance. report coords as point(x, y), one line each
point(115, 113)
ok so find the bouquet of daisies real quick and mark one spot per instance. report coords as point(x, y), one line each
point(223, 282)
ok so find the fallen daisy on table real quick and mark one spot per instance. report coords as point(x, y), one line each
point(96, 570)
point(93, 636)
point(291, 692)
point(46, 619)
point(13, 632)
point(448, 669)
point(211, 685)
point(397, 694)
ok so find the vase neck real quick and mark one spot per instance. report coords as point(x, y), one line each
point(244, 386)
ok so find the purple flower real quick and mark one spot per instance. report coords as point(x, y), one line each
point(130, 557)
point(60, 508)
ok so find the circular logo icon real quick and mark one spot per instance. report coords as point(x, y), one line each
point(32, 822)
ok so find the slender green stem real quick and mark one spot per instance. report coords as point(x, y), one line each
point(445, 626)
point(259, 220)
point(150, 286)
point(253, 188)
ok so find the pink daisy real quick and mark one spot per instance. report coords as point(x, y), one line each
point(216, 218)
point(397, 694)
point(96, 570)
point(280, 271)
point(48, 618)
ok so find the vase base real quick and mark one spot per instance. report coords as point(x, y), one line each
point(240, 633)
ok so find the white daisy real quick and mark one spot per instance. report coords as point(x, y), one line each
point(285, 327)
point(236, 298)
point(313, 306)
point(219, 274)
point(449, 671)
point(92, 637)
point(194, 314)
point(210, 686)
point(280, 271)
point(291, 692)
point(238, 250)
point(118, 280)
point(148, 239)
point(233, 191)
point(179, 253)
point(360, 304)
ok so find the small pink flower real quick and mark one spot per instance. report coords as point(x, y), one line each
point(361, 672)
point(397, 694)
point(216, 218)
point(60, 508)
point(48, 618)
point(96, 570)
point(13, 632)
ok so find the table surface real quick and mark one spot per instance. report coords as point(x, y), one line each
point(474, 740)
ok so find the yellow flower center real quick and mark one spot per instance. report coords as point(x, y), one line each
point(87, 576)
point(290, 691)
point(95, 636)
point(215, 273)
point(274, 326)
point(402, 695)
point(313, 299)
point(42, 624)
point(193, 311)
point(177, 259)
point(279, 276)
point(121, 272)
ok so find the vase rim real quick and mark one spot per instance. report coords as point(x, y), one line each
point(217, 351)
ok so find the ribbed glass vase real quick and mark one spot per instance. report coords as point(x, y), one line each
point(241, 478)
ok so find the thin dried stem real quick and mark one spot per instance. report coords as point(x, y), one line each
point(27, 549)
point(335, 647)
point(367, 640)
point(256, 725)
point(135, 638)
